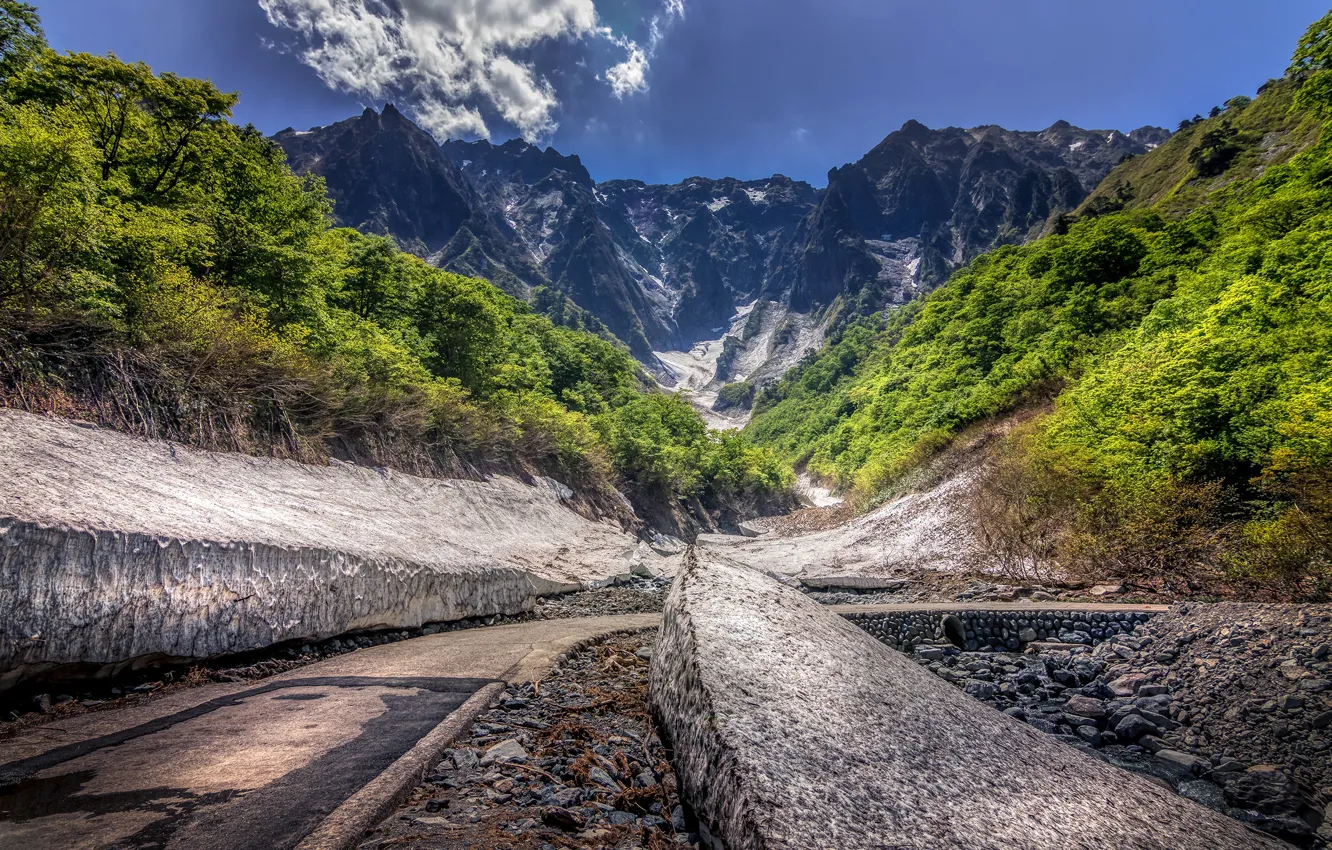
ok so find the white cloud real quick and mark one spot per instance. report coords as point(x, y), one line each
point(630, 76)
point(446, 55)
point(452, 60)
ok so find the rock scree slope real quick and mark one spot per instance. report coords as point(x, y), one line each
point(116, 549)
point(794, 729)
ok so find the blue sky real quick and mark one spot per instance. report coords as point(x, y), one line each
point(660, 90)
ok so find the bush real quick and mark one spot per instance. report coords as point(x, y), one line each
point(735, 395)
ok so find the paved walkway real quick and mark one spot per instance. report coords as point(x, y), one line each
point(258, 765)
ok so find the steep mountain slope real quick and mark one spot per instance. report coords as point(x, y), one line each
point(924, 202)
point(387, 176)
point(1170, 338)
point(669, 267)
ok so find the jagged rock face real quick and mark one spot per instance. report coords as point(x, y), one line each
point(662, 266)
point(711, 243)
point(388, 176)
point(665, 267)
point(924, 202)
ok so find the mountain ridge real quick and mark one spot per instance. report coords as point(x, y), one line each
point(665, 266)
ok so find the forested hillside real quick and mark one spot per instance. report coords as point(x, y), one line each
point(1176, 335)
point(163, 271)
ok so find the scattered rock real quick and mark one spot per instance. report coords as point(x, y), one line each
point(506, 751)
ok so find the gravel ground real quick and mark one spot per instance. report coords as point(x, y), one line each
point(639, 596)
point(1229, 704)
point(573, 763)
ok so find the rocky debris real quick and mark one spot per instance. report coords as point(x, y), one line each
point(792, 728)
point(1226, 703)
point(572, 763)
point(636, 596)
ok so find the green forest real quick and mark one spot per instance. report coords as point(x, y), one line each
point(163, 271)
point(1173, 339)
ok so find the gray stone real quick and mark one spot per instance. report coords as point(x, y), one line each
point(1133, 727)
point(603, 779)
point(1085, 706)
point(1128, 685)
point(1195, 765)
point(510, 750)
point(1090, 734)
point(464, 759)
point(981, 690)
point(1228, 765)
point(1266, 789)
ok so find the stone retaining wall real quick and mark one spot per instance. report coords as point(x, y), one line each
point(1000, 631)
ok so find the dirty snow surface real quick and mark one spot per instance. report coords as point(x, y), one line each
point(117, 548)
point(52, 472)
point(926, 531)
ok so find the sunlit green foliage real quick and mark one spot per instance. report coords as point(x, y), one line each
point(1189, 356)
point(163, 270)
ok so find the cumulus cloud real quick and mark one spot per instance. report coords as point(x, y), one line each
point(443, 54)
point(456, 61)
point(630, 76)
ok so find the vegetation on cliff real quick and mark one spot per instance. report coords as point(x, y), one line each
point(163, 271)
point(1182, 325)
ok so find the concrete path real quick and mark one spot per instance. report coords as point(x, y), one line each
point(261, 764)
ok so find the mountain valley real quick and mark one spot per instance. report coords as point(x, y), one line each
point(670, 267)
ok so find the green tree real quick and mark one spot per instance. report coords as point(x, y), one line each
point(21, 37)
point(1311, 66)
point(1214, 152)
point(376, 279)
point(47, 204)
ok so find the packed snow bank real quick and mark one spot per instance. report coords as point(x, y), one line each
point(929, 530)
point(114, 548)
point(792, 729)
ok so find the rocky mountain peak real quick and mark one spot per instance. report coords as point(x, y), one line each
point(665, 266)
